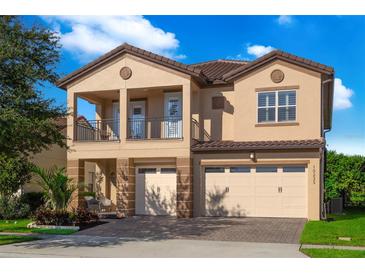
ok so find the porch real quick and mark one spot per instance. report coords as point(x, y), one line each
point(135, 186)
point(149, 114)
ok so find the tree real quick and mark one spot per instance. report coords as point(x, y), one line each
point(57, 187)
point(28, 59)
point(14, 172)
point(343, 177)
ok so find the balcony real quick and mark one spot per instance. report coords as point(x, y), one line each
point(155, 128)
point(96, 130)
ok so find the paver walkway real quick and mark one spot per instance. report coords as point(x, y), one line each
point(264, 230)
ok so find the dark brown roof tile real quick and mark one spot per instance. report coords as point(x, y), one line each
point(256, 145)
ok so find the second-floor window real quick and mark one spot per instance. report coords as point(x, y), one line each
point(276, 106)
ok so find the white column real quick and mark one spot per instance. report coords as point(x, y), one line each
point(123, 108)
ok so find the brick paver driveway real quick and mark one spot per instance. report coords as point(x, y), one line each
point(265, 230)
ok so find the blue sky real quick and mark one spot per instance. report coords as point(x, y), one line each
point(338, 41)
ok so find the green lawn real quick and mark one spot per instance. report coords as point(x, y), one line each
point(20, 226)
point(351, 224)
point(5, 239)
point(333, 253)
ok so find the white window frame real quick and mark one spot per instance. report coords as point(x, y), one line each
point(276, 107)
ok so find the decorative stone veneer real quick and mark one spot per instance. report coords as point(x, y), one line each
point(184, 203)
point(76, 171)
point(126, 187)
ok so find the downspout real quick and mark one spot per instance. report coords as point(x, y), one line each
point(323, 152)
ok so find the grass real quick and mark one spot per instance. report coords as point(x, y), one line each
point(20, 226)
point(351, 224)
point(5, 239)
point(333, 253)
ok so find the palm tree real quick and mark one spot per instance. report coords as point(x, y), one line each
point(57, 186)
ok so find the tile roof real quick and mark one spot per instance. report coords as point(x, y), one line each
point(281, 55)
point(214, 70)
point(127, 48)
point(256, 145)
point(210, 72)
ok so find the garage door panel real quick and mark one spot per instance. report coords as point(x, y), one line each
point(156, 194)
point(270, 192)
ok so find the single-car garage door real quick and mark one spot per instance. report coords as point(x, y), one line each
point(156, 191)
point(261, 191)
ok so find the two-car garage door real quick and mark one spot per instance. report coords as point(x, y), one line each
point(260, 191)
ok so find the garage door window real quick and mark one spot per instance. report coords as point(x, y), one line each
point(168, 170)
point(240, 169)
point(294, 169)
point(214, 170)
point(266, 169)
point(147, 170)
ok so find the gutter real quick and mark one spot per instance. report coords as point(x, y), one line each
point(323, 211)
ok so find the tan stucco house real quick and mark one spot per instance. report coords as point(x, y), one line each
point(219, 138)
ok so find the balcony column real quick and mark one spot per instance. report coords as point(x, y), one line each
point(71, 119)
point(123, 114)
point(186, 112)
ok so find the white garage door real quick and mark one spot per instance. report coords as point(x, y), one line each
point(262, 191)
point(156, 191)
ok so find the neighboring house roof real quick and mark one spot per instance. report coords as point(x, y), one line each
point(206, 73)
point(255, 145)
point(83, 121)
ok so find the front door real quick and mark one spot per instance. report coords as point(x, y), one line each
point(137, 119)
point(173, 119)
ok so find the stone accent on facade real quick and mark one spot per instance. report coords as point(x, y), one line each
point(184, 203)
point(125, 187)
point(76, 171)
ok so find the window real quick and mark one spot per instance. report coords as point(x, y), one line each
point(147, 170)
point(265, 169)
point(240, 169)
point(276, 106)
point(266, 107)
point(286, 106)
point(168, 170)
point(294, 169)
point(214, 170)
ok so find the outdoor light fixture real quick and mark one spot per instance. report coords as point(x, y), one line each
point(252, 155)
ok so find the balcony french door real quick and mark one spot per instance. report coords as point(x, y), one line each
point(137, 116)
point(172, 127)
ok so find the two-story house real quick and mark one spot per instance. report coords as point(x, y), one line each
point(219, 138)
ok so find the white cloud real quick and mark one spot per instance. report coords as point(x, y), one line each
point(259, 50)
point(90, 36)
point(342, 95)
point(285, 20)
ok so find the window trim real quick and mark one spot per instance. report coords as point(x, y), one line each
point(276, 107)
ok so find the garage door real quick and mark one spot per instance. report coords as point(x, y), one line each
point(262, 191)
point(156, 191)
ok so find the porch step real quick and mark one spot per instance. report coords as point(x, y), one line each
point(107, 215)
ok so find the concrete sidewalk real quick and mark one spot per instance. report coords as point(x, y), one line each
point(113, 247)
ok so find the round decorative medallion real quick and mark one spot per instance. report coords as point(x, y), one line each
point(125, 73)
point(277, 76)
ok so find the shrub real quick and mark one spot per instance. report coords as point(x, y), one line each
point(343, 177)
point(45, 216)
point(33, 199)
point(84, 217)
point(13, 208)
point(57, 187)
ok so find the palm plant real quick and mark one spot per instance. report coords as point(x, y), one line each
point(57, 186)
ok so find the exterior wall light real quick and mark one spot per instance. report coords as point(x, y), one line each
point(252, 156)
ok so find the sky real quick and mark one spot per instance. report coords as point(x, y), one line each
point(337, 41)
